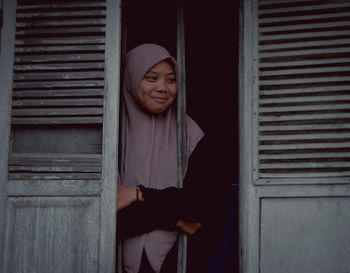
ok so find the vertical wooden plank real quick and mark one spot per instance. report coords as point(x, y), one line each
point(181, 122)
point(110, 139)
point(52, 234)
point(249, 203)
point(6, 64)
point(122, 122)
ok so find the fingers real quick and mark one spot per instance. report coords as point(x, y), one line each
point(190, 228)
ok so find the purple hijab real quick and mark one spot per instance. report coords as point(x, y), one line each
point(150, 152)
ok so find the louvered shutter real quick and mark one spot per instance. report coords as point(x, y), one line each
point(303, 100)
point(58, 79)
point(294, 136)
point(59, 192)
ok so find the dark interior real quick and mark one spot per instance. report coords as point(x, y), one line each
point(212, 94)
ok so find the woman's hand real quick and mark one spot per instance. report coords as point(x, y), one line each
point(190, 228)
point(126, 196)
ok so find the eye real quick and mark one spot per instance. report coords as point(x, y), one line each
point(172, 80)
point(150, 78)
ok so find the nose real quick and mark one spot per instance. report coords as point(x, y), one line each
point(162, 86)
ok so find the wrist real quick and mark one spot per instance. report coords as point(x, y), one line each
point(139, 195)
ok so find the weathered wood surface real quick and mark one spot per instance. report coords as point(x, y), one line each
point(304, 84)
point(107, 243)
point(181, 124)
point(59, 53)
point(58, 233)
point(316, 218)
point(85, 187)
point(294, 135)
point(59, 190)
point(6, 72)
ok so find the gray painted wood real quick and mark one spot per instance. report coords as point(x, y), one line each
point(6, 61)
point(181, 124)
point(294, 147)
point(85, 187)
point(62, 167)
point(70, 143)
point(107, 254)
point(248, 203)
point(58, 233)
point(303, 98)
point(315, 239)
point(122, 126)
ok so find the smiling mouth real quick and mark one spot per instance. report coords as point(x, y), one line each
point(159, 99)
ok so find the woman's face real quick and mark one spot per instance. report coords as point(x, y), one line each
point(157, 89)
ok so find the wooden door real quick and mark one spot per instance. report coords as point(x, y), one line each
point(59, 132)
point(294, 137)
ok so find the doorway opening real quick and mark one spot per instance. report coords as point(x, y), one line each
point(211, 46)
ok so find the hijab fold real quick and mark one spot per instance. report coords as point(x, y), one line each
point(150, 152)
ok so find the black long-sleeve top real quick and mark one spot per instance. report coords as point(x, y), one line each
point(199, 200)
point(202, 199)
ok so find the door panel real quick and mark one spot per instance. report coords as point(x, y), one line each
point(59, 190)
point(305, 234)
point(294, 145)
point(55, 234)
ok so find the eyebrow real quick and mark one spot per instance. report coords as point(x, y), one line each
point(154, 72)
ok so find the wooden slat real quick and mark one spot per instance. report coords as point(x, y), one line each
point(57, 76)
point(342, 179)
point(59, 58)
point(311, 127)
point(302, 27)
point(58, 102)
point(294, 36)
point(302, 63)
point(299, 108)
point(305, 81)
point(314, 99)
point(39, 157)
point(58, 93)
point(54, 169)
point(338, 50)
point(306, 165)
point(306, 89)
point(56, 23)
point(54, 176)
point(292, 2)
point(313, 7)
point(22, 163)
point(57, 112)
point(305, 174)
point(53, 187)
point(61, 30)
point(336, 156)
point(285, 148)
point(58, 120)
point(309, 137)
point(56, 14)
point(304, 45)
point(303, 18)
point(316, 116)
point(28, 41)
point(63, 4)
point(20, 68)
point(55, 48)
point(58, 84)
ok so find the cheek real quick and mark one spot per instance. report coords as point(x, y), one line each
point(173, 92)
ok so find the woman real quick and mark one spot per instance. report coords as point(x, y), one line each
point(149, 204)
